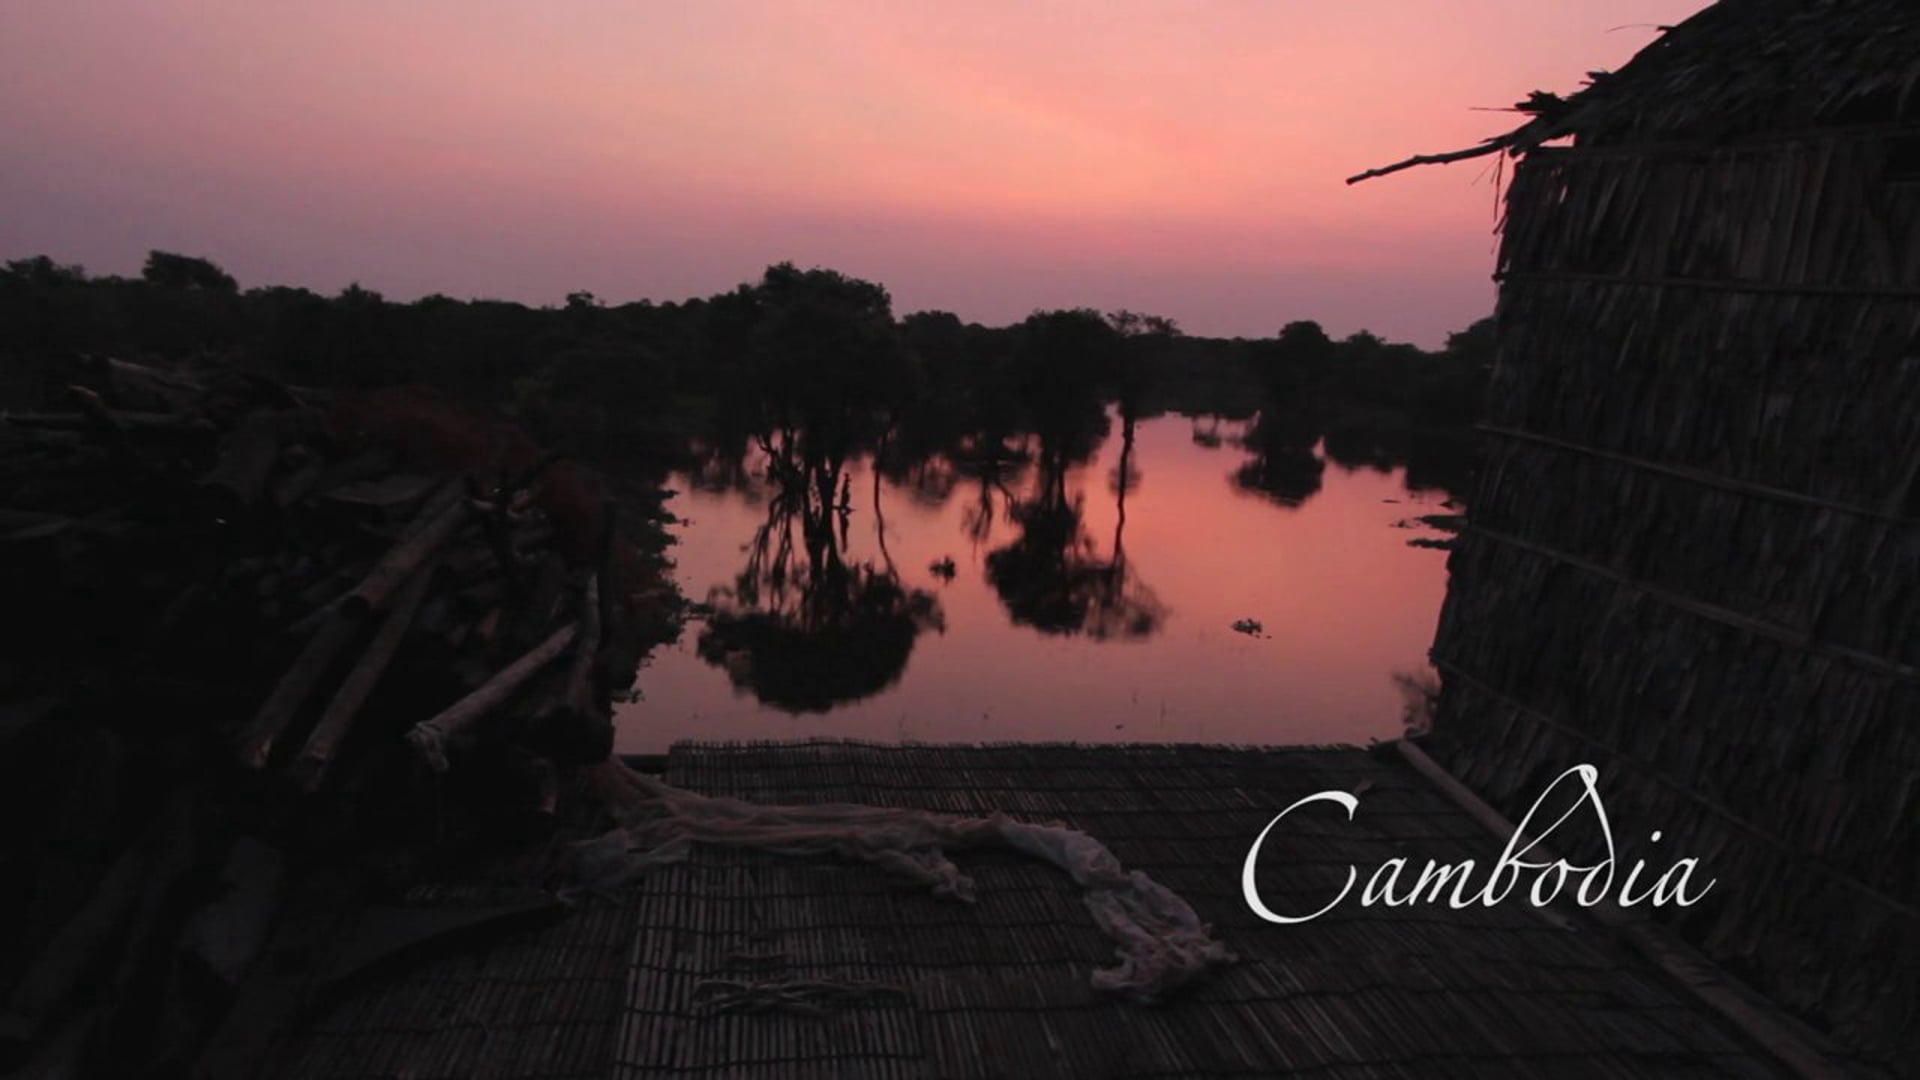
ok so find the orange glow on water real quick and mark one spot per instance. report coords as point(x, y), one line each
point(1345, 604)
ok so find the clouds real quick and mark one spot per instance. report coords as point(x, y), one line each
point(972, 156)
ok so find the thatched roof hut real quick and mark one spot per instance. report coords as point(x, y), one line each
point(1695, 552)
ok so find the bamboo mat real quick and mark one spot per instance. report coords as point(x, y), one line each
point(539, 1003)
point(1000, 987)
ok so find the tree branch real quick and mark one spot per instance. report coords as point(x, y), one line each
point(1489, 147)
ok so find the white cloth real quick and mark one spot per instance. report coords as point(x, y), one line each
point(1159, 941)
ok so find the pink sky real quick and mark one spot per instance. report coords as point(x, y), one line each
point(1184, 158)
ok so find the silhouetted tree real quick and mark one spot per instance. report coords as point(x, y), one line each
point(167, 270)
point(803, 629)
point(41, 272)
point(1062, 361)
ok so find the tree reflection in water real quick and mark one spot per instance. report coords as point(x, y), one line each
point(1285, 463)
point(992, 468)
point(1283, 466)
point(802, 628)
point(1051, 577)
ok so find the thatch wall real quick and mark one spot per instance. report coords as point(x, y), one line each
point(1695, 552)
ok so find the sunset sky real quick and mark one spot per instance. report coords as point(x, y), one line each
point(1184, 158)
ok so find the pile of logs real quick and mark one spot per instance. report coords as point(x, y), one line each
point(238, 616)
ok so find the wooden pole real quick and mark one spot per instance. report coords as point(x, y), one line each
point(247, 459)
point(325, 647)
point(429, 737)
point(436, 524)
point(581, 695)
point(337, 720)
point(1794, 1044)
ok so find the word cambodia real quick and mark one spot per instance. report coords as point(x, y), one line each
point(1388, 884)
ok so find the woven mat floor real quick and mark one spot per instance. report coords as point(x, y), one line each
point(1000, 988)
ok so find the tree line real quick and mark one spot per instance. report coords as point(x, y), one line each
point(812, 360)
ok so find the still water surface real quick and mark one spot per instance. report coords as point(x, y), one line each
point(1342, 600)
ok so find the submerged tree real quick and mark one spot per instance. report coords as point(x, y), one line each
point(821, 362)
point(1052, 578)
point(1063, 361)
point(803, 628)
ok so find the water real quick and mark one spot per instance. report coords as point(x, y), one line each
point(1071, 644)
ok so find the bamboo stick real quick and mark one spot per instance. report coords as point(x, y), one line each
point(1490, 146)
point(429, 737)
point(157, 385)
point(1879, 665)
point(436, 524)
point(342, 623)
point(580, 693)
point(316, 659)
point(247, 459)
point(300, 484)
point(337, 720)
point(82, 943)
point(1704, 477)
point(1791, 1042)
point(1652, 773)
point(131, 421)
point(609, 582)
point(1712, 284)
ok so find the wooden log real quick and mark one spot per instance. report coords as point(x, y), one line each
point(437, 633)
point(52, 446)
point(544, 780)
point(1805, 1051)
point(477, 599)
point(322, 907)
point(436, 524)
point(486, 629)
point(137, 422)
point(227, 933)
point(311, 768)
point(62, 1055)
point(63, 421)
point(610, 584)
point(104, 423)
point(388, 936)
point(353, 469)
point(393, 496)
point(23, 526)
point(296, 486)
point(576, 727)
point(340, 623)
point(533, 472)
point(18, 718)
point(143, 386)
point(470, 671)
point(339, 629)
point(545, 596)
point(466, 562)
point(582, 693)
point(436, 616)
point(524, 783)
point(147, 950)
point(574, 736)
point(322, 598)
point(499, 536)
point(247, 458)
point(533, 533)
point(79, 946)
point(429, 737)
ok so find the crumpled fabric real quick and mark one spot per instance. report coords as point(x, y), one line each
point(1160, 944)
